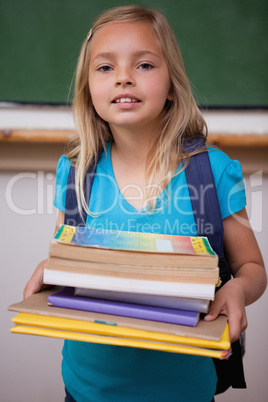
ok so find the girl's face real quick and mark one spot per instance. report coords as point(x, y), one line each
point(128, 77)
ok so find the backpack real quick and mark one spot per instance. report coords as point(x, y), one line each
point(206, 210)
point(207, 214)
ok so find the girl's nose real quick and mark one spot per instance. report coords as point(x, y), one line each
point(124, 77)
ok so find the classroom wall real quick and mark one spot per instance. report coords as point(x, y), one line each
point(30, 366)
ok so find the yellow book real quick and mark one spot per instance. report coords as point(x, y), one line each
point(67, 324)
point(38, 304)
point(37, 318)
point(78, 330)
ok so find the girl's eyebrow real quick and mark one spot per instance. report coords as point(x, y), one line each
point(141, 53)
point(104, 55)
point(138, 53)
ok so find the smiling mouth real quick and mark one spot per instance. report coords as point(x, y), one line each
point(126, 100)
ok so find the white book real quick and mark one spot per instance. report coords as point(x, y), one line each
point(162, 288)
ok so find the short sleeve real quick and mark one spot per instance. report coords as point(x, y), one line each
point(61, 183)
point(229, 183)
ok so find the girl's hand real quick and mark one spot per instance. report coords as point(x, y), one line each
point(247, 268)
point(36, 281)
point(230, 301)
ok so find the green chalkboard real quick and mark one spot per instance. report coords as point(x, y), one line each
point(224, 45)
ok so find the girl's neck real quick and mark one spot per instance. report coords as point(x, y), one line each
point(132, 146)
point(129, 157)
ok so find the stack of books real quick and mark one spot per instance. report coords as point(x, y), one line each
point(130, 289)
point(132, 262)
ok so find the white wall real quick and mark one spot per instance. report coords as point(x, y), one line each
point(30, 366)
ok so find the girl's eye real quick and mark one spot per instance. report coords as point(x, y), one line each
point(146, 66)
point(105, 68)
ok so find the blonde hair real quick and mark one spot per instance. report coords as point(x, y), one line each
point(182, 118)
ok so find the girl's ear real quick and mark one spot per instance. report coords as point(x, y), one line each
point(170, 96)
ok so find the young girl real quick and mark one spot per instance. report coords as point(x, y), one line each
point(133, 100)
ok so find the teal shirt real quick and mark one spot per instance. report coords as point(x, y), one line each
point(104, 373)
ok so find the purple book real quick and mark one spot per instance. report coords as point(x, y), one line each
point(66, 298)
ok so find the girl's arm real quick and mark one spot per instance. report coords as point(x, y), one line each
point(247, 267)
point(36, 281)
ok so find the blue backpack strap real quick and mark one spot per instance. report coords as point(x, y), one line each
point(71, 208)
point(205, 202)
point(206, 211)
point(72, 215)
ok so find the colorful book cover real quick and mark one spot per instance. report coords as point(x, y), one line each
point(67, 299)
point(133, 241)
